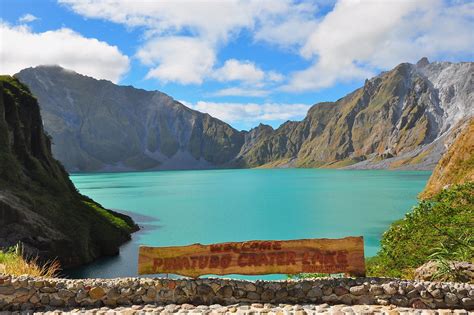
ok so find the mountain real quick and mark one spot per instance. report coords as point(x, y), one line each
point(457, 164)
point(97, 125)
point(399, 119)
point(39, 205)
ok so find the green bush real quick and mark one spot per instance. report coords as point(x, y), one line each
point(444, 222)
point(115, 220)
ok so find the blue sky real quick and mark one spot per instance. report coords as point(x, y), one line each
point(243, 61)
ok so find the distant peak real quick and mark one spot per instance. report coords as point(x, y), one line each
point(423, 62)
point(48, 67)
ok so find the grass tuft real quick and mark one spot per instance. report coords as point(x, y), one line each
point(13, 263)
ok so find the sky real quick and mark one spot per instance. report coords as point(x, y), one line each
point(243, 61)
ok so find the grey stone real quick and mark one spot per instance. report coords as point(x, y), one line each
point(48, 290)
point(253, 296)
point(113, 294)
point(389, 289)
point(365, 299)
point(399, 300)
point(281, 294)
point(151, 292)
point(53, 301)
point(315, 293)
point(21, 292)
point(340, 290)
point(468, 302)
point(436, 293)
point(413, 294)
point(225, 292)
point(450, 298)
point(64, 294)
point(6, 290)
point(327, 290)
point(204, 290)
point(250, 287)
point(376, 290)
point(346, 299)
point(267, 295)
point(330, 298)
point(359, 290)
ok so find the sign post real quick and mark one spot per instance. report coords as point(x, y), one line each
point(345, 255)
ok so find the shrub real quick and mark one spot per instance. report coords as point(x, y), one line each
point(436, 228)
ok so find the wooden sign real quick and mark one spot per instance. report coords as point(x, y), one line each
point(345, 255)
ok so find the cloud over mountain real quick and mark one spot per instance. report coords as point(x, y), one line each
point(22, 48)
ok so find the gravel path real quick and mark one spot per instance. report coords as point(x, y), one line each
point(281, 309)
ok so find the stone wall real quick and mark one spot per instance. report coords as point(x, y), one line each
point(26, 292)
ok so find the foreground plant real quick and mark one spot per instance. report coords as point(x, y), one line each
point(439, 229)
point(447, 269)
point(12, 262)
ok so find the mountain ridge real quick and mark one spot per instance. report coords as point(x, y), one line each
point(399, 119)
point(157, 132)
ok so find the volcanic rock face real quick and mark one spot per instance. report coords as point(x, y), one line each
point(39, 205)
point(98, 125)
point(399, 119)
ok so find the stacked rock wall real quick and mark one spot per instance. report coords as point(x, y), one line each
point(26, 292)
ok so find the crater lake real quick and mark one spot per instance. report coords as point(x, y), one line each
point(211, 206)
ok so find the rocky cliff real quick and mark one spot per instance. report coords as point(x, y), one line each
point(39, 205)
point(399, 119)
point(97, 125)
point(457, 164)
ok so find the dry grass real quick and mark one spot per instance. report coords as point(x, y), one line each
point(12, 263)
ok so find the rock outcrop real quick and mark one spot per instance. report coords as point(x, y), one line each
point(457, 164)
point(463, 270)
point(39, 205)
point(400, 119)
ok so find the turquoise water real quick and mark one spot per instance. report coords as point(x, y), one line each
point(186, 207)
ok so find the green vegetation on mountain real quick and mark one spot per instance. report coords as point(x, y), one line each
point(39, 205)
point(441, 226)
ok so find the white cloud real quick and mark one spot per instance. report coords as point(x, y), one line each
point(361, 37)
point(251, 112)
point(178, 59)
point(274, 76)
point(235, 70)
point(252, 78)
point(356, 39)
point(21, 48)
point(27, 18)
point(210, 24)
point(292, 28)
point(239, 91)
